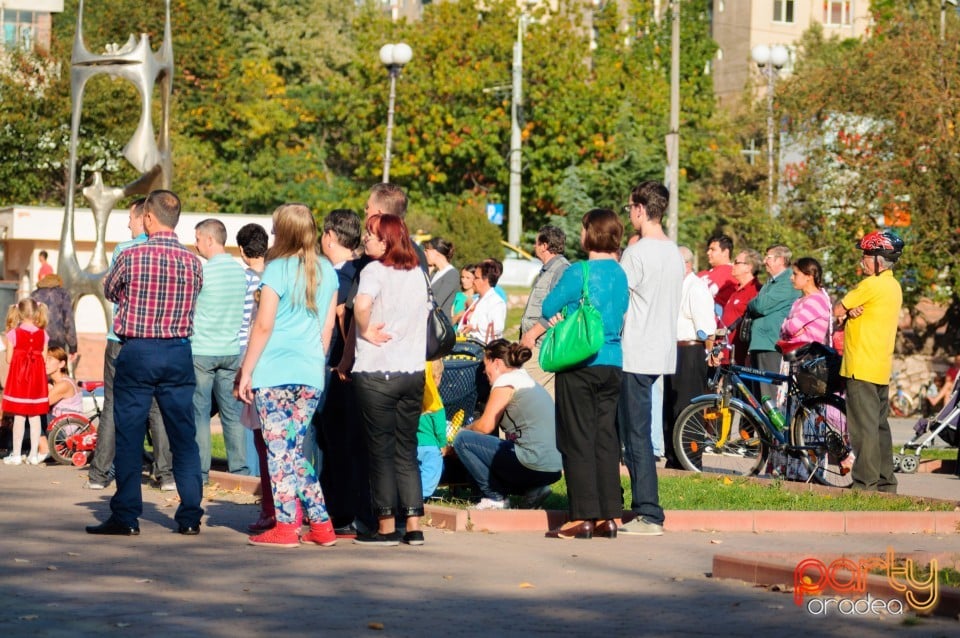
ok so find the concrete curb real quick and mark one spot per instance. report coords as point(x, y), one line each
point(780, 570)
point(459, 520)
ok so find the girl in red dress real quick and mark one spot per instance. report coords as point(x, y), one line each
point(25, 395)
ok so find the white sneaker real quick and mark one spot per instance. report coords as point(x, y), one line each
point(42, 457)
point(168, 486)
point(490, 504)
point(33, 459)
point(641, 527)
point(13, 459)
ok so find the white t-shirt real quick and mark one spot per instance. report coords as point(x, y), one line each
point(490, 310)
point(696, 310)
point(400, 303)
point(655, 273)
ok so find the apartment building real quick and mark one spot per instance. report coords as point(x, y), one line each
point(739, 25)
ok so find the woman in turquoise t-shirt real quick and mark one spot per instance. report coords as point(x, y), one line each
point(283, 372)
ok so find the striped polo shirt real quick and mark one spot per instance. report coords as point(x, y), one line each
point(219, 313)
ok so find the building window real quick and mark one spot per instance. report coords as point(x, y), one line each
point(836, 13)
point(20, 29)
point(783, 11)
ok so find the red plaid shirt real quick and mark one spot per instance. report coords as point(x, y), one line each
point(155, 286)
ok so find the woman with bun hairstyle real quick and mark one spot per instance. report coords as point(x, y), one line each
point(526, 461)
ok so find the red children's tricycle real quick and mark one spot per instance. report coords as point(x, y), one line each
point(73, 436)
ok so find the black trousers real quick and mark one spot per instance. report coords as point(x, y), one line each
point(344, 477)
point(390, 405)
point(588, 442)
point(689, 381)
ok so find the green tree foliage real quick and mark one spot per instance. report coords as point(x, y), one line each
point(877, 121)
point(279, 100)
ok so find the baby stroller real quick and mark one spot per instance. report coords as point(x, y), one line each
point(943, 425)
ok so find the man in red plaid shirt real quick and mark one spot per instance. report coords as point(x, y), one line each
point(155, 286)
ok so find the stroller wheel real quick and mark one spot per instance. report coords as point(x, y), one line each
point(896, 462)
point(909, 464)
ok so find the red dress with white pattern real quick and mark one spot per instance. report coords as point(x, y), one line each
point(26, 391)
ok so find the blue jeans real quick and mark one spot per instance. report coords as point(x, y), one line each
point(215, 377)
point(160, 369)
point(634, 420)
point(101, 467)
point(494, 466)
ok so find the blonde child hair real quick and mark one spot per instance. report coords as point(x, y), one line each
point(27, 309)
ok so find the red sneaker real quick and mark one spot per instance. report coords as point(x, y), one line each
point(321, 534)
point(282, 535)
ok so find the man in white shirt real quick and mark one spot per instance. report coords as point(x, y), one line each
point(696, 325)
point(484, 320)
point(655, 273)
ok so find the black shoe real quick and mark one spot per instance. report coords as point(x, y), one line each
point(189, 530)
point(384, 540)
point(413, 538)
point(113, 527)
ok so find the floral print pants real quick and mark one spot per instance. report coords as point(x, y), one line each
point(285, 413)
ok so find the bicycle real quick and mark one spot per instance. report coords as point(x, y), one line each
point(728, 432)
point(903, 404)
point(73, 436)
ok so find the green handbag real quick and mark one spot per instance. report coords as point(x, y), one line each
point(576, 338)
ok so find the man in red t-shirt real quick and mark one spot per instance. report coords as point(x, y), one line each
point(719, 277)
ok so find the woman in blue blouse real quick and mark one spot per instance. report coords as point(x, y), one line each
point(587, 395)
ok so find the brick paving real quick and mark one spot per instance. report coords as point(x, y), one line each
point(55, 580)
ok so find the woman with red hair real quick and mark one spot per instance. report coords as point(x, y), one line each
point(390, 314)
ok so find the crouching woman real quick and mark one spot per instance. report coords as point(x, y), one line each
point(526, 462)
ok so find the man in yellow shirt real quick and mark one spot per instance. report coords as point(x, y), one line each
point(871, 311)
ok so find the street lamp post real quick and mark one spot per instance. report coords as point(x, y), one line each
point(514, 221)
point(770, 59)
point(394, 57)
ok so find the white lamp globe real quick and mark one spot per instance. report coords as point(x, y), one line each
point(759, 53)
point(402, 53)
point(779, 55)
point(386, 54)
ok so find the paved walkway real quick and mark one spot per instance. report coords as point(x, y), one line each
point(56, 580)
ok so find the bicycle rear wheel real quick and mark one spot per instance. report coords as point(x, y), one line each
point(708, 438)
point(820, 426)
point(59, 438)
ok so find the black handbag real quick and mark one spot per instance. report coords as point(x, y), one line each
point(441, 337)
point(746, 328)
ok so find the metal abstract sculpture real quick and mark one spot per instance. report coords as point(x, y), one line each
point(150, 154)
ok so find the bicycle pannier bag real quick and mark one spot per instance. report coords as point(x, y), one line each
point(817, 371)
point(576, 338)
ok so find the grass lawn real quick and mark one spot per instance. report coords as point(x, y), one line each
point(711, 492)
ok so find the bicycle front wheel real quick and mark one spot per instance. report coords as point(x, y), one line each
point(819, 430)
point(901, 405)
point(709, 438)
point(61, 438)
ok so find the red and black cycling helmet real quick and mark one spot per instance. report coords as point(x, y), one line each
point(884, 243)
